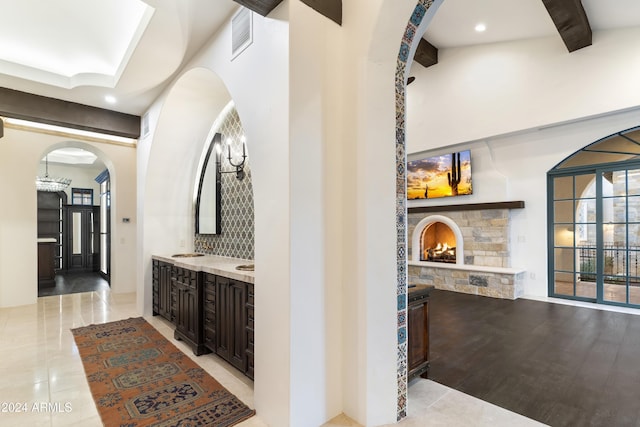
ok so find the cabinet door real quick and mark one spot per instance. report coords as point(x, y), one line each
point(418, 345)
point(182, 313)
point(238, 324)
point(223, 316)
point(164, 285)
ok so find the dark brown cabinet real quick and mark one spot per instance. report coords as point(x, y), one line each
point(164, 296)
point(188, 288)
point(211, 313)
point(418, 331)
point(46, 264)
point(231, 321)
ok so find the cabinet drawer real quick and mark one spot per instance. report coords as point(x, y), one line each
point(250, 318)
point(250, 340)
point(209, 317)
point(209, 298)
point(250, 295)
point(210, 334)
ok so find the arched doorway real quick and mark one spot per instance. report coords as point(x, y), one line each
point(415, 28)
point(594, 222)
point(73, 221)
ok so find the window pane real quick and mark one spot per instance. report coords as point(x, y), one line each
point(563, 211)
point(563, 235)
point(585, 186)
point(633, 178)
point(586, 235)
point(563, 283)
point(563, 188)
point(586, 210)
point(564, 259)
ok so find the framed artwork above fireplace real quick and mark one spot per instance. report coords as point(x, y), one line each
point(440, 176)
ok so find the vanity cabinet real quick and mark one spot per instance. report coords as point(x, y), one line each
point(188, 289)
point(231, 321)
point(418, 331)
point(164, 296)
point(211, 313)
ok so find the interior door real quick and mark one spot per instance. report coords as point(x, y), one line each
point(82, 236)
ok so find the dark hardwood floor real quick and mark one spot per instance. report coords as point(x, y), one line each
point(71, 283)
point(557, 364)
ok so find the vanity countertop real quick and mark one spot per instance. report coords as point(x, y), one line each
point(213, 264)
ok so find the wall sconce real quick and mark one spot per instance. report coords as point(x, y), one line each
point(239, 166)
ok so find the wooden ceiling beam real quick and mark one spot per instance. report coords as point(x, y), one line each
point(426, 54)
point(261, 7)
point(41, 109)
point(571, 21)
point(332, 9)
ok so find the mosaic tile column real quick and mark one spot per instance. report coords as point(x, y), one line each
point(401, 198)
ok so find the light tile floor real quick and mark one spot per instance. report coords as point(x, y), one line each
point(43, 381)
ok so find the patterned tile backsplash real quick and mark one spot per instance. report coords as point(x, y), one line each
point(236, 239)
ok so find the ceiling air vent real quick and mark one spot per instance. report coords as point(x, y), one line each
point(241, 31)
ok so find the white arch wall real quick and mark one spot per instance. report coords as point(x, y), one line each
point(257, 81)
point(20, 154)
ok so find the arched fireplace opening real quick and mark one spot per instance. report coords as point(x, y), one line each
point(430, 237)
point(438, 243)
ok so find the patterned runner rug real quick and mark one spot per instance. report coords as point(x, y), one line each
point(138, 378)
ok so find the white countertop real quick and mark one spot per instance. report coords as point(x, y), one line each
point(218, 265)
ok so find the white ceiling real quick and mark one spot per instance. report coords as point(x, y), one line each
point(84, 50)
point(454, 22)
point(134, 60)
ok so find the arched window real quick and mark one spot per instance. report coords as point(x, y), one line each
point(594, 222)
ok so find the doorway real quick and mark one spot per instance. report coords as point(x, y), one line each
point(82, 236)
point(594, 217)
point(79, 223)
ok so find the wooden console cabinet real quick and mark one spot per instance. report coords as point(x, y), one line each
point(418, 330)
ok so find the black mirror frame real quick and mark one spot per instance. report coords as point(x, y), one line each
point(212, 150)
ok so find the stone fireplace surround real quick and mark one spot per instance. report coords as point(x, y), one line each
point(483, 263)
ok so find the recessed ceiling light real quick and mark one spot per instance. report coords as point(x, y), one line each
point(110, 99)
point(480, 27)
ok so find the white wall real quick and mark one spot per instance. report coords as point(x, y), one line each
point(20, 155)
point(499, 88)
point(257, 81)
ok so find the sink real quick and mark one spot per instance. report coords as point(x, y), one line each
point(192, 255)
point(245, 267)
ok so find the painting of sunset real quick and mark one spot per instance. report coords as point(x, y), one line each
point(439, 176)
